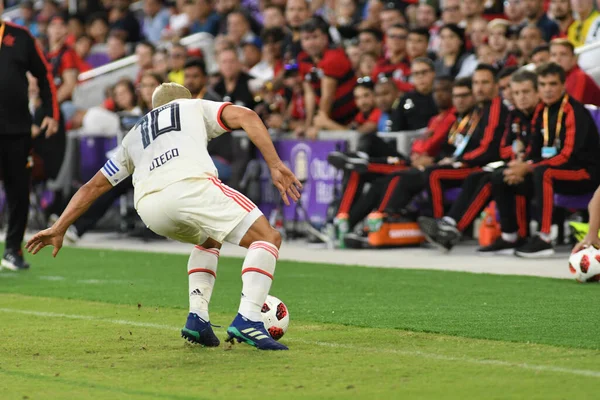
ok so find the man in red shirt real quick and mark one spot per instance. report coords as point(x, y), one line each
point(328, 77)
point(396, 64)
point(64, 63)
point(579, 84)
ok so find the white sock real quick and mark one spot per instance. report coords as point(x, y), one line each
point(510, 237)
point(449, 221)
point(546, 237)
point(257, 276)
point(202, 272)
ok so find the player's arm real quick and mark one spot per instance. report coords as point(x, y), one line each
point(81, 201)
point(591, 239)
point(236, 117)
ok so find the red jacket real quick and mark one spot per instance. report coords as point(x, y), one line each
point(437, 133)
point(582, 87)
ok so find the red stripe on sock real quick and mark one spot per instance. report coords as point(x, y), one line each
point(258, 270)
point(268, 248)
point(207, 271)
point(211, 251)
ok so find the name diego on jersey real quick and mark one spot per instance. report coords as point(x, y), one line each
point(164, 158)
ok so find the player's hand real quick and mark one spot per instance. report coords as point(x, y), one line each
point(286, 182)
point(588, 241)
point(44, 238)
point(51, 126)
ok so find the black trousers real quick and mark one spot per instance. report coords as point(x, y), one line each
point(16, 173)
point(90, 218)
point(475, 194)
point(538, 187)
point(376, 147)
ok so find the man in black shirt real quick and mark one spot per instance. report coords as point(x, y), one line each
point(417, 107)
point(233, 85)
point(19, 54)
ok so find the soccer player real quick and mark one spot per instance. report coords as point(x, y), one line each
point(178, 195)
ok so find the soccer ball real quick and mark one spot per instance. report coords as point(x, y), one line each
point(585, 265)
point(276, 317)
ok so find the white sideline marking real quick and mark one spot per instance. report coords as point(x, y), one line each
point(414, 353)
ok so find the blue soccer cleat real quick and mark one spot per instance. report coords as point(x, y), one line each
point(197, 330)
point(253, 333)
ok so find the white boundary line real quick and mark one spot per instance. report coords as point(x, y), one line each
point(410, 353)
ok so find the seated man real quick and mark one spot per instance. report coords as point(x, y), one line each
point(476, 191)
point(476, 138)
point(563, 158)
point(424, 151)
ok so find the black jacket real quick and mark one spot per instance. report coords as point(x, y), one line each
point(19, 53)
point(483, 146)
point(577, 144)
point(414, 112)
point(517, 128)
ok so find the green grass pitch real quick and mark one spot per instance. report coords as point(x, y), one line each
point(94, 324)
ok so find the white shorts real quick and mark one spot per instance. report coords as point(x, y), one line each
point(193, 210)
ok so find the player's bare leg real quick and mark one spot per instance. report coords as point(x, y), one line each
point(202, 273)
point(262, 242)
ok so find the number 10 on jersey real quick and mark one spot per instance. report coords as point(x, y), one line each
point(167, 115)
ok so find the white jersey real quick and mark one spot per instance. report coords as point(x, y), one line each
point(589, 59)
point(168, 145)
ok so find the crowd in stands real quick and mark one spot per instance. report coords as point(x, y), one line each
point(453, 67)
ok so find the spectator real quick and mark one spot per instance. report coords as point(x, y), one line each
point(368, 115)
point(149, 82)
point(97, 28)
point(471, 10)
point(371, 18)
point(297, 12)
point(504, 87)
point(498, 41)
point(82, 48)
point(271, 65)
point(426, 14)
point(116, 48)
point(366, 65)
point(515, 13)
point(540, 55)
point(233, 85)
point(586, 15)
point(453, 58)
point(252, 52)
point(534, 11)
point(417, 107)
point(64, 63)
point(344, 14)
point(182, 14)
point(329, 78)
point(205, 18)
point(144, 52)
point(530, 37)
point(478, 33)
point(122, 19)
point(156, 19)
point(273, 17)
point(353, 52)
point(386, 99)
point(563, 159)
point(27, 17)
point(371, 41)
point(417, 43)
point(391, 15)
point(578, 84)
point(238, 28)
point(563, 15)
point(195, 80)
point(76, 29)
point(177, 59)
point(451, 13)
point(396, 65)
point(160, 65)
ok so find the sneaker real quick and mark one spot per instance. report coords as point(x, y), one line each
point(535, 247)
point(501, 247)
point(197, 330)
point(347, 162)
point(71, 235)
point(14, 260)
point(439, 232)
point(356, 241)
point(253, 333)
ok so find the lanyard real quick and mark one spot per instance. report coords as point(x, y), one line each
point(561, 111)
point(456, 129)
point(2, 33)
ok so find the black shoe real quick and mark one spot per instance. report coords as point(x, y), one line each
point(348, 162)
point(356, 241)
point(501, 247)
point(535, 247)
point(439, 232)
point(14, 261)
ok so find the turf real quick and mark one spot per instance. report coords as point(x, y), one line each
point(104, 324)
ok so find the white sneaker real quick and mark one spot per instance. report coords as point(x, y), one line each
point(71, 235)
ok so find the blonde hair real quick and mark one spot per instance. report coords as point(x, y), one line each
point(168, 92)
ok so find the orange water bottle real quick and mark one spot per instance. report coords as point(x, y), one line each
point(489, 230)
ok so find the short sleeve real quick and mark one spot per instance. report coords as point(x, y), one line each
point(69, 60)
point(374, 116)
point(335, 64)
point(118, 167)
point(211, 112)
